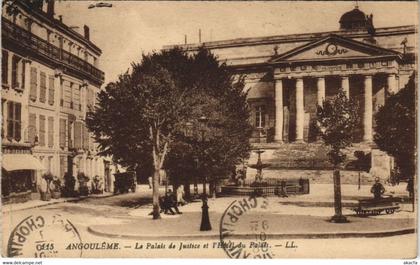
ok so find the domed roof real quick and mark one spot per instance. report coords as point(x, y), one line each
point(353, 20)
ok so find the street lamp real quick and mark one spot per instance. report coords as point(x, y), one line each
point(205, 220)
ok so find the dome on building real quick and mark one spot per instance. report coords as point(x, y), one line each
point(354, 20)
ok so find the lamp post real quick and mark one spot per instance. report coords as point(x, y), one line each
point(205, 220)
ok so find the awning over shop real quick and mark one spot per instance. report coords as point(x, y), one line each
point(12, 162)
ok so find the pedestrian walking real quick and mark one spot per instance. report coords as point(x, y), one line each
point(150, 180)
point(180, 195)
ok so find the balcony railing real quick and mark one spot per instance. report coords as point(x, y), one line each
point(38, 45)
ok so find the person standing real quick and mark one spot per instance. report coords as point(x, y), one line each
point(180, 195)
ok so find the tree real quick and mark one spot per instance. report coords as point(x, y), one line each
point(136, 116)
point(336, 120)
point(396, 128)
point(223, 101)
point(140, 118)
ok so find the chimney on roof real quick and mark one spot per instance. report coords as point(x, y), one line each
point(86, 31)
point(50, 8)
point(60, 18)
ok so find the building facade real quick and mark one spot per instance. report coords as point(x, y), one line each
point(50, 78)
point(288, 76)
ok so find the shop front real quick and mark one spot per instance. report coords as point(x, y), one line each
point(18, 180)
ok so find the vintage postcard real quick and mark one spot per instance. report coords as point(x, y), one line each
point(183, 129)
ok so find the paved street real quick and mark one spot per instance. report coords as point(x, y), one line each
point(124, 219)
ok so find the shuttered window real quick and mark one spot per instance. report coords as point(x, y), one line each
point(15, 71)
point(33, 89)
point(78, 135)
point(50, 132)
point(14, 120)
point(89, 98)
point(41, 130)
point(63, 129)
point(51, 90)
point(43, 87)
point(76, 97)
point(4, 67)
point(32, 128)
point(63, 163)
point(85, 138)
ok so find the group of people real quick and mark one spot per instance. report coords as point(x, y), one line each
point(169, 203)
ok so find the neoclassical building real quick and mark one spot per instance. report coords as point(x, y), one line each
point(287, 76)
point(50, 78)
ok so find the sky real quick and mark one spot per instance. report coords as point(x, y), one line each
point(130, 28)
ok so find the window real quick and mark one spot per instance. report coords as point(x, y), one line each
point(41, 130)
point(51, 90)
point(67, 95)
point(43, 87)
point(18, 72)
point(76, 90)
point(260, 117)
point(50, 132)
point(78, 135)
point(70, 136)
point(50, 164)
point(63, 130)
point(3, 117)
point(90, 98)
point(32, 128)
point(61, 93)
point(85, 138)
point(4, 67)
point(14, 121)
point(33, 87)
point(63, 164)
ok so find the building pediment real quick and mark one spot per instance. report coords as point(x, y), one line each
point(333, 47)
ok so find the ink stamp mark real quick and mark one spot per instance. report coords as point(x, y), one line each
point(39, 236)
point(245, 219)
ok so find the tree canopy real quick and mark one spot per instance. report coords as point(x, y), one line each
point(337, 119)
point(141, 118)
point(396, 128)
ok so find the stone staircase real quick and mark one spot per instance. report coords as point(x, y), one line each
point(301, 155)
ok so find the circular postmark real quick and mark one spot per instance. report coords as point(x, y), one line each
point(39, 236)
point(244, 229)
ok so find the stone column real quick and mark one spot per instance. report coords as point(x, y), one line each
point(368, 118)
point(320, 90)
point(345, 85)
point(392, 84)
point(300, 112)
point(278, 136)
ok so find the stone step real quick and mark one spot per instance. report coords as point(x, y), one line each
point(302, 155)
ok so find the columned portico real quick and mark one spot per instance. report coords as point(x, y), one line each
point(392, 83)
point(300, 112)
point(278, 136)
point(320, 90)
point(345, 85)
point(368, 112)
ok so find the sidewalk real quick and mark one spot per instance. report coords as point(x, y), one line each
point(292, 217)
point(284, 222)
point(7, 208)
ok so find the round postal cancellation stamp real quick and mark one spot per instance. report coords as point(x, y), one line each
point(39, 236)
point(245, 229)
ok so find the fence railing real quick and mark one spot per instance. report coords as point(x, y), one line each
point(38, 45)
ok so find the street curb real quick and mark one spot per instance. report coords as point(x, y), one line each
point(5, 210)
point(252, 236)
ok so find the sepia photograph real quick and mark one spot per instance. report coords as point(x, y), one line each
point(209, 129)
